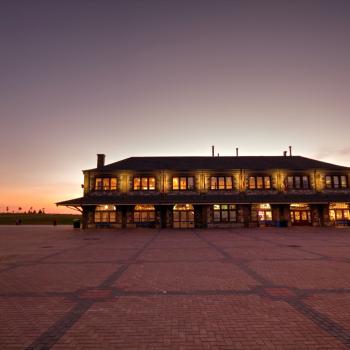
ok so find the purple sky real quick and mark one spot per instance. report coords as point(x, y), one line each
point(167, 77)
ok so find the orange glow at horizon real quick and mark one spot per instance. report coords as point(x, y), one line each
point(26, 199)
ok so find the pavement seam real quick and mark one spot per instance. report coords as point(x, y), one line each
point(56, 331)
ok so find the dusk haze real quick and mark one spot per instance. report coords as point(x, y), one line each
point(165, 78)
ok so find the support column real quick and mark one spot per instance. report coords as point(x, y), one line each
point(285, 214)
point(163, 216)
point(198, 216)
point(124, 209)
point(276, 214)
point(316, 215)
point(324, 215)
point(85, 218)
point(246, 211)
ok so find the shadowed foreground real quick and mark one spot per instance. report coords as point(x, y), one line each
point(173, 289)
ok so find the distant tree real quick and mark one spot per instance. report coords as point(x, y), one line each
point(19, 209)
point(30, 210)
point(34, 211)
point(7, 209)
point(40, 211)
point(43, 210)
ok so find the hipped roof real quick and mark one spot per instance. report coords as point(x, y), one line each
point(218, 163)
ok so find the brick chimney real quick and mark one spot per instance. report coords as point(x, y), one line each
point(100, 161)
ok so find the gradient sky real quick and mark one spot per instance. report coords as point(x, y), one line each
point(168, 77)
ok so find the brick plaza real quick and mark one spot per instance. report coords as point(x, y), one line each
point(267, 288)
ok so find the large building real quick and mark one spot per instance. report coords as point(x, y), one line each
point(188, 192)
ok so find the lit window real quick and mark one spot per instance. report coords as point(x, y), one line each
point(144, 183)
point(224, 213)
point(152, 183)
point(267, 182)
point(221, 183)
point(105, 184)
point(113, 183)
point(175, 183)
point(98, 184)
point(229, 184)
point(137, 183)
point(343, 181)
point(144, 213)
point(183, 183)
point(259, 182)
point(252, 183)
point(105, 213)
point(336, 181)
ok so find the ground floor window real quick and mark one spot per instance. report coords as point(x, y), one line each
point(144, 213)
point(261, 212)
point(339, 212)
point(105, 213)
point(300, 214)
point(224, 213)
point(183, 216)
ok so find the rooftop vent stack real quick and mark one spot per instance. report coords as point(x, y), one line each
point(285, 153)
point(218, 154)
point(100, 161)
point(236, 151)
point(212, 151)
point(290, 151)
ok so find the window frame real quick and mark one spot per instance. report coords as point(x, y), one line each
point(264, 182)
point(99, 211)
point(292, 184)
point(217, 185)
point(141, 186)
point(336, 179)
point(227, 211)
point(179, 179)
point(109, 186)
point(139, 214)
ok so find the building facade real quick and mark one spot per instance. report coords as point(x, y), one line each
point(204, 192)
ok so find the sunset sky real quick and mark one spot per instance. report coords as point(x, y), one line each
point(167, 77)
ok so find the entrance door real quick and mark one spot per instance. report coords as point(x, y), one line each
point(183, 216)
point(300, 217)
point(264, 217)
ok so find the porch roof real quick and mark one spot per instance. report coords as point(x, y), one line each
point(161, 199)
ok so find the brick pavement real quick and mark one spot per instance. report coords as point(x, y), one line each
point(174, 289)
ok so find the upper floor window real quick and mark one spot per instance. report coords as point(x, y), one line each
point(259, 182)
point(147, 183)
point(183, 183)
point(298, 182)
point(105, 183)
point(221, 183)
point(336, 181)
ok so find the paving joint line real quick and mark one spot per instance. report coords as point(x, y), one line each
point(56, 331)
